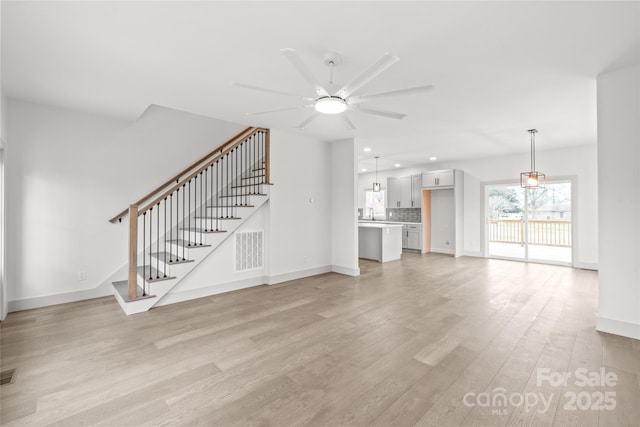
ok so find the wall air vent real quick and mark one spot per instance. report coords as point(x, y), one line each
point(249, 251)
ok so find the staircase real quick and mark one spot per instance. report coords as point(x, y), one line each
point(176, 226)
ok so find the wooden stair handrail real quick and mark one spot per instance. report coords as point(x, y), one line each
point(241, 135)
point(202, 168)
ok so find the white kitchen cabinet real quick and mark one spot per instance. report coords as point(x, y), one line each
point(416, 191)
point(412, 236)
point(438, 179)
point(399, 192)
point(404, 192)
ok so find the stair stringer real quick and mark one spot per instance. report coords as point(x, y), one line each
point(198, 255)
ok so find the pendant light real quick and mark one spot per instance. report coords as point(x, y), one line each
point(533, 178)
point(376, 184)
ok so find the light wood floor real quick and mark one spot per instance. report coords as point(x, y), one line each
point(401, 345)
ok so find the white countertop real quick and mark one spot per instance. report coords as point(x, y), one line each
point(377, 224)
point(368, 221)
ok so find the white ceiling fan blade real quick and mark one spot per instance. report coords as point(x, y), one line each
point(367, 75)
point(276, 92)
point(307, 121)
point(278, 110)
point(293, 57)
point(348, 122)
point(387, 114)
point(392, 93)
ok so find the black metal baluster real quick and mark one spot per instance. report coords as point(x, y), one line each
point(255, 162)
point(243, 152)
point(165, 238)
point(184, 222)
point(170, 227)
point(201, 206)
point(204, 201)
point(150, 243)
point(217, 195)
point(236, 175)
point(158, 244)
point(144, 261)
point(189, 213)
point(211, 194)
point(226, 183)
point(262, 163)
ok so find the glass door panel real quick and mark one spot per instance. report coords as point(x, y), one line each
point(506, 228)
point(549, 212)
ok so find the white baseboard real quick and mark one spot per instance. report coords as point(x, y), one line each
point(476, 254)
point(206, 291)
point(443, 251)
point(279, 278)
point(348, 271)
point(43, 301)
point(618, 327)
point(587, 265)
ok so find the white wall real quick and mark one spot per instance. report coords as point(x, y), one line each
point(4, 301)
point(619, 205)
point(300, 207)
point(344, 217)
point(579, 162)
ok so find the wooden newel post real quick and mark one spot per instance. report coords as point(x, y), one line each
point(267, 160)
point(133, 252)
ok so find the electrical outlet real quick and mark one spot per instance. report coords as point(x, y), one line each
point(390, 214)
point(82, 275)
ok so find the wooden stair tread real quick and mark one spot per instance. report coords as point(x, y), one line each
point(149, 271)
point(166, 257)
point(242, 195)
point(231, 206)
point(217, 217)
point(122, 287)
point(187, 244)
point(252, 185)
point(202, 230)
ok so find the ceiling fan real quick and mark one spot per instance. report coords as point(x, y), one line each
point(343, 99)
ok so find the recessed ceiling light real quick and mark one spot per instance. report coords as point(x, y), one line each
point(433, 158)
point(364, 169)
point(367, 150)
point(397, 165)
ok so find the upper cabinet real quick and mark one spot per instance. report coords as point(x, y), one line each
point(416, 191)
point(404, 192)
point(399, 192)
point(438, 179)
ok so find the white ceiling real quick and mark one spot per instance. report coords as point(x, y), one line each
point(499, 68)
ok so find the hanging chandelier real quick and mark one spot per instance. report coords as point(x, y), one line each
point(533, 178)
point(376, 184)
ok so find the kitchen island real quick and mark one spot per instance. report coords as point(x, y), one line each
point(379, 242)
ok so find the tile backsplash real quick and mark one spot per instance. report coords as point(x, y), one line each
point(404, 214)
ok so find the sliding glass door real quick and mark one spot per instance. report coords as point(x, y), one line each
point(530, 225)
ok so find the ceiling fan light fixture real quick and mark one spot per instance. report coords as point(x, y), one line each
point(330, 105)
